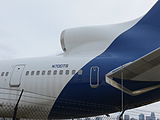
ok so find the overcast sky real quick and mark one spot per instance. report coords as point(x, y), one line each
point(30, 28)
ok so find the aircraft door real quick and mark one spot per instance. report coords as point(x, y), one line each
point(16, 76)
point(94, 76)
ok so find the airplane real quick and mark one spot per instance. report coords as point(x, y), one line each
point(100, 65)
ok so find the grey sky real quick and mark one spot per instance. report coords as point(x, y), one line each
point(30, 28)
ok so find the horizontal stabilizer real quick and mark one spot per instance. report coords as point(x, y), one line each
point(138, 67)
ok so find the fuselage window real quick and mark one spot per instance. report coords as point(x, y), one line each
point(80, 72)
point(43, 72)
point(61, 72)
point(49, 72)
point(55, 72)
point(38, 72)
point(67, 72)
point(6, 73)
point(73, 72)
point(27, 73)
point(2, 74)
point(32, 73)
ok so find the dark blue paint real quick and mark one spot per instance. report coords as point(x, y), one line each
point(78, 99)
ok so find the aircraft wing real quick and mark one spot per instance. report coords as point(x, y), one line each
point(145, 69)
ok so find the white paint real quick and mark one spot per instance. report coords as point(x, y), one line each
point(92, 40)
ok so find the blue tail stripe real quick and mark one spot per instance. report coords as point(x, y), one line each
point(74, 100)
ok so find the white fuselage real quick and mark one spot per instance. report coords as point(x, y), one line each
point(42, 84)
